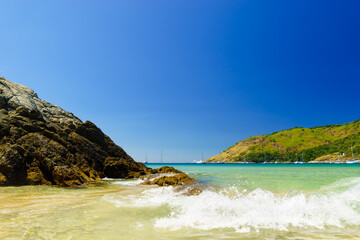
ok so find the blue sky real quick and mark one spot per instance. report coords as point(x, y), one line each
point(188, 76)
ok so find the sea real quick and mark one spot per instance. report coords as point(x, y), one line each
point(238, 201)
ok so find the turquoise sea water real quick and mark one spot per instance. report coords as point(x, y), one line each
point(263, 201)
point(278, 178)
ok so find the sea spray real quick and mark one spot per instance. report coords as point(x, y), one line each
point(135, 182)
point(246, 202)
point(233, 208)
point(153, 197)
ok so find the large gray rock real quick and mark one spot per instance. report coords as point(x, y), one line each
point(14, 95)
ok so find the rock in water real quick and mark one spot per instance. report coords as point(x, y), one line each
point(40, 143)
point(172, 177)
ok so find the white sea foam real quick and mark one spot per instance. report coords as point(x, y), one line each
point(128, 182)
point(255, 210)
point(134, 182)
point(122, 181)
point(153, 197)
point(342, 184)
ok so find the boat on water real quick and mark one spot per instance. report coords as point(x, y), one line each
point(146, 159)
point(246, 161)
point(297, 160)
point(220, 162)
point(265, 161)
point(198, 162)
point(353, 160)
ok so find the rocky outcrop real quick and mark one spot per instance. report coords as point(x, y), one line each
point(14, 95)
point(166, 176)
point(40, 143)
point(173, 180)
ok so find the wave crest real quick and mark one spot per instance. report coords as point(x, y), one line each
point(243, 211)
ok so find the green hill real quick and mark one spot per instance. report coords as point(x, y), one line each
point(321, 144)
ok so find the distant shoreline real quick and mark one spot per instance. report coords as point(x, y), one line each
point(225, 163)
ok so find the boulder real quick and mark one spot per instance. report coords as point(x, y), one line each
point(165, 176)
point(174, 180)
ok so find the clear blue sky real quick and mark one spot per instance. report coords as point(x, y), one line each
point(187, 76)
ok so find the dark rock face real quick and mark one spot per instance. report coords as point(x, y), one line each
point(40, 143)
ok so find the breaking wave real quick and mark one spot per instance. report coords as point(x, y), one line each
point(135, 182)
point(337, 205)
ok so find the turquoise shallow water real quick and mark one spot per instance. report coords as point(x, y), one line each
point(273, 177)
point(239, 202)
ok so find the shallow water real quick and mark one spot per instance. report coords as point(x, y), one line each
point(240, 202)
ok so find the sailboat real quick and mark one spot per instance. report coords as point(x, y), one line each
point(220, 162)
point(265, 160)
point(246, 160)
point(146, 159)
point(201, 159)
point(353, 159)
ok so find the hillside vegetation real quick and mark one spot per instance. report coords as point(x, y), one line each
point(322, 143)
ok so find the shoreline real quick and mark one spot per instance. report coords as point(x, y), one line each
point(282, 163)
